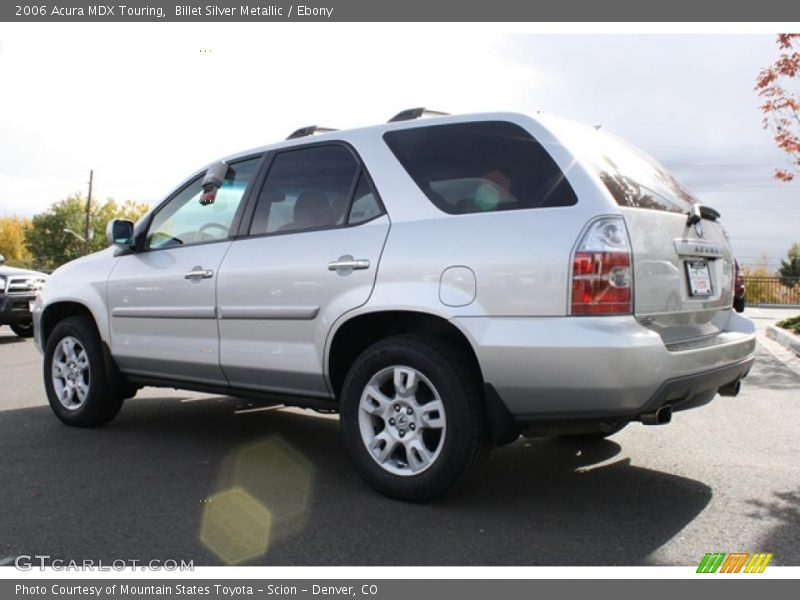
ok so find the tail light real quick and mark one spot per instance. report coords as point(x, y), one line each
point(602, 280)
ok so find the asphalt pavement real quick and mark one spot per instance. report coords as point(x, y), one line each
point(218, 480)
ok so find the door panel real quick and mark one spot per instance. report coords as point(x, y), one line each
point(278, 297)
point(163, 324)
point(162, 299)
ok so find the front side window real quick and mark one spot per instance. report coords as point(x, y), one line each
point(480, 167)
point(307, 188)
point(183, 221)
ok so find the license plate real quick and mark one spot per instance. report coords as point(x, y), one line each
point(699, 278)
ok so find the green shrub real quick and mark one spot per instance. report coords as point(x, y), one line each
point(792, 324)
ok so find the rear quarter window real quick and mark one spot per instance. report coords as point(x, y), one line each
point(480, 167)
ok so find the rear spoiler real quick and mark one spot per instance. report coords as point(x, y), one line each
point(699, 212)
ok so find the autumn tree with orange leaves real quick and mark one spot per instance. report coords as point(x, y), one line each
point(778, 86)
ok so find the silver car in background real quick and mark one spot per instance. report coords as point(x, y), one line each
point(445, 284)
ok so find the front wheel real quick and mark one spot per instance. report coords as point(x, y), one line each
point(76, 380)
point(413, 417)
point(23, 329)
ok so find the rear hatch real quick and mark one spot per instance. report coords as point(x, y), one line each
point(682, 261)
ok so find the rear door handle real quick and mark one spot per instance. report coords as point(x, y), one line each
point(348, 263)
point(199, 273)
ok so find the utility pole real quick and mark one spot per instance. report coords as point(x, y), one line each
point(87, 224)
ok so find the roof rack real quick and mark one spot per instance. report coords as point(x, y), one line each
point(310, 130)
point(415, 113)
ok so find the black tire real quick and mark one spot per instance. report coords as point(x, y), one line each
point(23, 329)
point(465, 441)
point(105, 393)
point(602, 431)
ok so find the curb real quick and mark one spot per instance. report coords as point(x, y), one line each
point(784, 338)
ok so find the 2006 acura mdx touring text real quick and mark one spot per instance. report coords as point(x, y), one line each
point(445, 284)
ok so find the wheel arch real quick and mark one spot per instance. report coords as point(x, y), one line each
point(357, 333)
point(58, 311)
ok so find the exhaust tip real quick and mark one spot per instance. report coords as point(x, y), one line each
point(730, 389)
point(662, 416)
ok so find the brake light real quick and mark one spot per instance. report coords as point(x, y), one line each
point(602, 282)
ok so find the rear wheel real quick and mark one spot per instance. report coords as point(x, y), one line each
point(23, 329)
point(77, 382)
point(413, 417)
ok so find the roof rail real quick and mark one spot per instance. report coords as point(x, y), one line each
point(415, 113)
point(310, 130)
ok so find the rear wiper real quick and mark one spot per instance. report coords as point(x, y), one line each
point(699, 212)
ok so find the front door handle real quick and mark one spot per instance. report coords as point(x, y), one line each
point(348, 263)
point(199, 273)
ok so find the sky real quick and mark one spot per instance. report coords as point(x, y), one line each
point(145, 105)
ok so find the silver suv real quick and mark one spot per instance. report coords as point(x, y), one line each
point(444, 284)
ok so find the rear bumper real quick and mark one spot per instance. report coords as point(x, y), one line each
point(15, 307)
point(601, 367)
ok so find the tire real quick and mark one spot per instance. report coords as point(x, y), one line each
point(80, 388)
point(603, 431)
point(23, 329)
point(418, 403)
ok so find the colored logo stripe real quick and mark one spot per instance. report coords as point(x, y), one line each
point(711, 562)
point(734, 563)
point(758, 562)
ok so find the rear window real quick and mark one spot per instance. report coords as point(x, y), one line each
point(632, 177)
point(480, 167)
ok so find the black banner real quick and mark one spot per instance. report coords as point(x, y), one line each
point(403, 11)
point(387, 589)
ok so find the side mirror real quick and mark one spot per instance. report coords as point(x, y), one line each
point(2, 260)
point(215, 175)
point(120, 233)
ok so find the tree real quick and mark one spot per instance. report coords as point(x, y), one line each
point(790, 268)
point(51, 246)
point(781, 106)
point(12, 241)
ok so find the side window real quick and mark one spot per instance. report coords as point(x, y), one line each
point(480, 167)
point(184, 221)
point(365, 205)
point(308, 188)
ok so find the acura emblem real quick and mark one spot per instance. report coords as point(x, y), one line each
point(698, 229)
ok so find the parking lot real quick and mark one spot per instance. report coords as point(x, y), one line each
point(724, 477)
